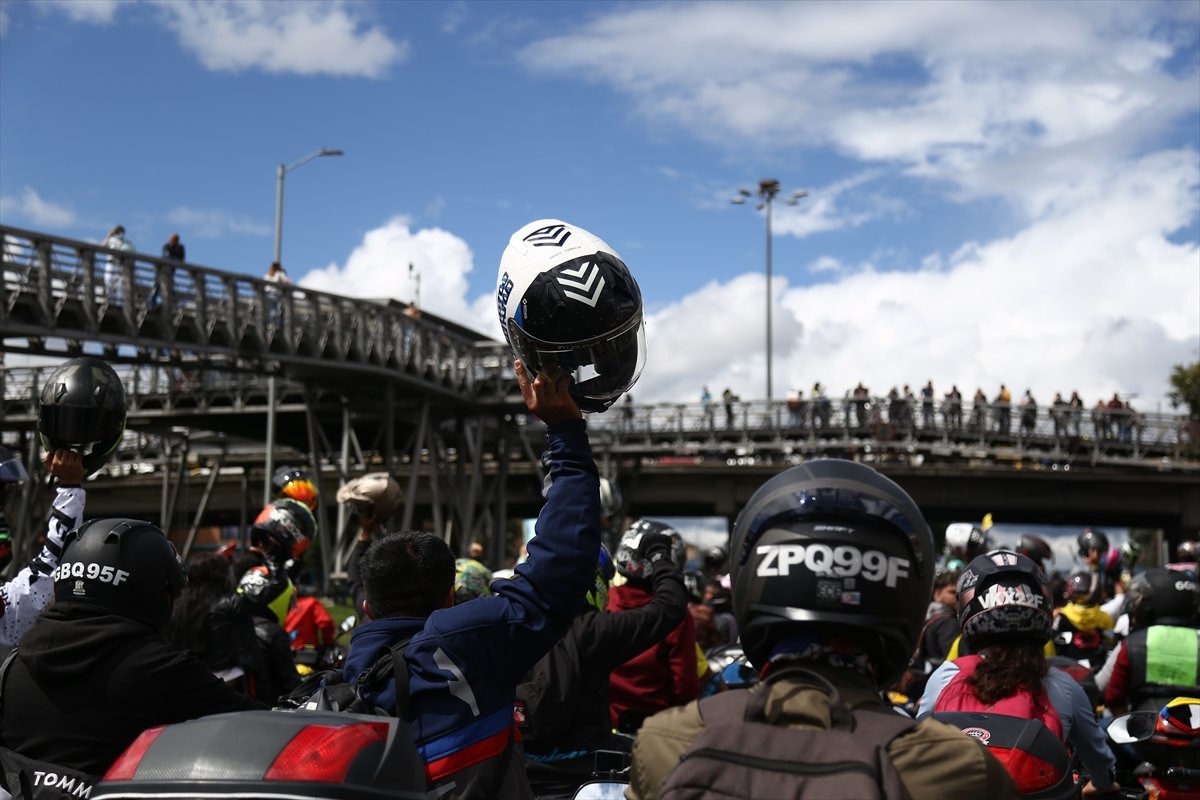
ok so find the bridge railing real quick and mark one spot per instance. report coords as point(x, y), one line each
point(993, 429)
point(58, 293)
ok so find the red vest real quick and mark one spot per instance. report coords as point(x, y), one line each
point(960, 696)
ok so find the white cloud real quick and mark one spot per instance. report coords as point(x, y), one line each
point(378, 268)
point(31, 209)
point(92, 12)
point(961, 92)
point(1094, 298)
point(308, 38)
point(213, 223)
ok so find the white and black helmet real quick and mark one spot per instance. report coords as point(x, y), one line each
point(566, 299)
point(631, 559)
point(832, 545)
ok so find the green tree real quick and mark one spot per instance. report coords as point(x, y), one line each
point(1185, 387)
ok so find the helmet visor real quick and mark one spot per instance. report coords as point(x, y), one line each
point(601, 369)
point(77, 426)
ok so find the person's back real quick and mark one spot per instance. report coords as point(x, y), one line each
point(94, 671)
point(464, 662)
point(1004, 608)
point(213, 622)
point(1158, 660)
point(565, 697)
point(665, 673)
point(822, 513)
point(268, 597)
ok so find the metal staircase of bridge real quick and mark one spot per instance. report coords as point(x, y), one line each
point(226, 373)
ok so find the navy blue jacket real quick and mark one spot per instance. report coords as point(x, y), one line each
point(465, 662)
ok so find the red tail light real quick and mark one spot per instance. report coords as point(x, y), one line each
point(1030, 773)
point(324, 753)
point(124, 767)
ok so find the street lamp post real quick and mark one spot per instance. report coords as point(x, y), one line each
point(282, 170)
point(768, 188)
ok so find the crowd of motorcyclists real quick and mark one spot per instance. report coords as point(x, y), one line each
point(831, 602)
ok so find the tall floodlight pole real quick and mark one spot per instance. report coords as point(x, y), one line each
point(280, 172)
point(283, 170)
point(768, 188)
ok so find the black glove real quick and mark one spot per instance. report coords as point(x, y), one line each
point(655, 547)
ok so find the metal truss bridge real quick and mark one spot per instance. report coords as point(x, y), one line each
point(228, 376)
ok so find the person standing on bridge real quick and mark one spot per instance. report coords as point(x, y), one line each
point(115, 283)
point(276, 276)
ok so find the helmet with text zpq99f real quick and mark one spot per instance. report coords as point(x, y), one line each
point(1004, 593)
point(633, 561)
point(375, 494)
point(284, 526)
point(1035, 548)
point(832, 546)
point(82, 408)
point(1161, 596)
point(267, 593)
point(1091, 540)
point(11, 468)
point(122, 566)
point(297, 484)
point(566, 300)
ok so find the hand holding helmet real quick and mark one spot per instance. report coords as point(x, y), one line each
point(547, 395)
point(82, 408)
point(568, 303)
point(656, 546)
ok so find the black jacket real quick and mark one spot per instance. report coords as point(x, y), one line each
point(85, 684)
point(565, 696)
point(276, 673)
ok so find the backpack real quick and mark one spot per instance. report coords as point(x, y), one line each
point(959, 696)
point(327, 690)
point(29, 779)
point(740, 754)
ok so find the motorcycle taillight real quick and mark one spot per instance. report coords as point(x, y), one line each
point(127, 764)
point(324, 753)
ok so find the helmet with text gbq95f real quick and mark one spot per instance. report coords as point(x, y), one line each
point(632, 560)
point(832, 546)
point(567, 300)
point(82, 408)
point(1005, 593)
point(122, 566)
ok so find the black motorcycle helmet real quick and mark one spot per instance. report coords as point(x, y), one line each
point(82, 408)
point(631, 560)
point(124, 566)
point(1035, 548)
point(834, 545)
point(1188, 551)
point(715, 559)
point(694, 582)
point(285, 527)
point(1005, 593)
point(567, 300)
point(1085, 587)
point(1091, 540)
point(1161, 596)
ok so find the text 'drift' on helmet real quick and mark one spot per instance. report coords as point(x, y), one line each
point(122, 566)
point(832, 545)
point(1005, 593)
point(567, 300)
point(82, 408)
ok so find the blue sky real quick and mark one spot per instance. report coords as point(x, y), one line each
point(998, 192)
